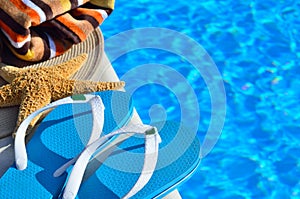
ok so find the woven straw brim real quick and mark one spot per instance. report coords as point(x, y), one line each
point(91, 70)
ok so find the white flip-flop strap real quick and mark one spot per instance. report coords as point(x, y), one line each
point(98, 123)
point(19, 143)
point(101, 141)
point(151, 153)
point(150, 160)
point(97, 107)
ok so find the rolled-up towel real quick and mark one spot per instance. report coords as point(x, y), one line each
point(38, 30)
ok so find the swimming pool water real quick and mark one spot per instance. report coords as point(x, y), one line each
point(256, 47)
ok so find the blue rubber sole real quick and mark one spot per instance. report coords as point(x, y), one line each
point(61, 136)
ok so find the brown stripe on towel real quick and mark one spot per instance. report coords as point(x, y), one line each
point(63, 31)
point(34, 18)
point(23, 50)
point(46, 8)
point(10, 9)
point(94, 6)
point(17, 28)
point(62, 46)
point(92, 16)
point(70, 24)
point(46, 48)
point(88, 18)
point(11, 34)
point(74, 3)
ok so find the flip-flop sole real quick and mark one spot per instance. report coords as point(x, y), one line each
point(61, 136)
point(177, 160)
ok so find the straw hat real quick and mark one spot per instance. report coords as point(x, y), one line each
point(91, 70)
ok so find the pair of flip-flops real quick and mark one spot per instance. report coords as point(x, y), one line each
point(112, 157)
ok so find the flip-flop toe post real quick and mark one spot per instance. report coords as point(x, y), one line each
point(138, 168)
point(20, 149)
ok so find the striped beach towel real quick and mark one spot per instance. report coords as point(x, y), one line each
point(38, 30)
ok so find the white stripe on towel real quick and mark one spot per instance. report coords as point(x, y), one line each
point(16, 44)
point(51, 46)
point(36, 8)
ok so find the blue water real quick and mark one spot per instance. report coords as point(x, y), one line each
point(256, 47)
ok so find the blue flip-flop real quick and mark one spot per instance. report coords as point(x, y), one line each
point(124, 172)
point(137, 168)
point(59, 138)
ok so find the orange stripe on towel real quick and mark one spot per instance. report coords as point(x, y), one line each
point(68, 22)
point(35, 18)
point(93, 13)
point(12, 35)
point(61, 46)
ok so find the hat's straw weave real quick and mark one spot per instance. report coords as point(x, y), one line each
point(92, 69)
